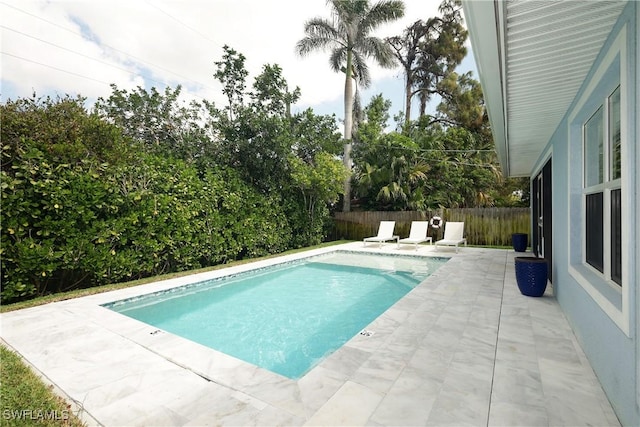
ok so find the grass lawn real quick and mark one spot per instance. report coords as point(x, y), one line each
point(26, 400)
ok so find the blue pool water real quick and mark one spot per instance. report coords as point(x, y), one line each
point(288, 317)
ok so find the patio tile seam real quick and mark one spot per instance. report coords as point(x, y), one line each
point(77, 407)
point(168, 359)
point(495, 354)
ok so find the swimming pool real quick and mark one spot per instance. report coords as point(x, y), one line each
point(288, 317)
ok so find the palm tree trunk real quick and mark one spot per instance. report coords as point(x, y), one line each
point(348, 125)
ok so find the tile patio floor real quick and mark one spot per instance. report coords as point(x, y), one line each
point(463, 348)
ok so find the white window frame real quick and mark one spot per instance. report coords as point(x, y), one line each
point(605, 187)
point(613, 299)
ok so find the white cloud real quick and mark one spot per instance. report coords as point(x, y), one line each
point(40, 56)
point(133, 42)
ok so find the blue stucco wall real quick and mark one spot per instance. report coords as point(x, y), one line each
point(612, 351)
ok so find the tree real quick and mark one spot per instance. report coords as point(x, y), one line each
point(391, 174)
point(84, 206)
point(59, 127)
point(376, 115)
point(320, 184)
point(232, 74)
point(389, 171)
point(161, 121)
point(463, 105)
point(271, 92)
point(406, 51)
point(313, 134)
point(461, 171)
point(347, 36)
point(428, 52)
point(443, 161)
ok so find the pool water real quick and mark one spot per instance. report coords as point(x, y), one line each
point(288, 317)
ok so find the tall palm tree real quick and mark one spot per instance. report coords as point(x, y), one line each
point(347, 36)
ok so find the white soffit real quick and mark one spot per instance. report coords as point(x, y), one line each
point(545, 50)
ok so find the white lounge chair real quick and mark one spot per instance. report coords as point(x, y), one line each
point(385, 233)
point(417, 234)
point(453, 235)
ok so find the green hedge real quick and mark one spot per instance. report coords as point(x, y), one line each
point(84, 205)
point(65, 227)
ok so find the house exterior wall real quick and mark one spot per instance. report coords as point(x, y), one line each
point(603, 315)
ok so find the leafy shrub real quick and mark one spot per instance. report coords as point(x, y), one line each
point(84, 206)
point(68, 227)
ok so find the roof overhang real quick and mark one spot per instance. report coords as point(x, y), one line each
point(532, 58)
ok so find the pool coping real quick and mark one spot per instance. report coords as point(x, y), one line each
point(226, 273)
point(121, 371)
point(220, 358)
point(243, 379)
point(216, 366)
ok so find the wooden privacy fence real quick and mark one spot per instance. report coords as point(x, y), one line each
point(482, 226)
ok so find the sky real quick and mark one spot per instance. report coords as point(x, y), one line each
point(80, 47)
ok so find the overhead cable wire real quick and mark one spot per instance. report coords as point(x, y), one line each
point(434, 150)
point(454, 162)
point(444, 150)
point(204, 36)
point(75, 52)
point(85, 76)
point(133, 73)
point(55, 68)
point(38, 17)
point(104, 45)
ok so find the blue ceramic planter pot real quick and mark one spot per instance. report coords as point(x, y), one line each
point(531, 275)
point(519, 241)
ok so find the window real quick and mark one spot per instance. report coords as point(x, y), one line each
point(615, 173)
point(593, 142)
point(602, 188)
point(595, 232)
point(600, 166)
point(615, 141)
